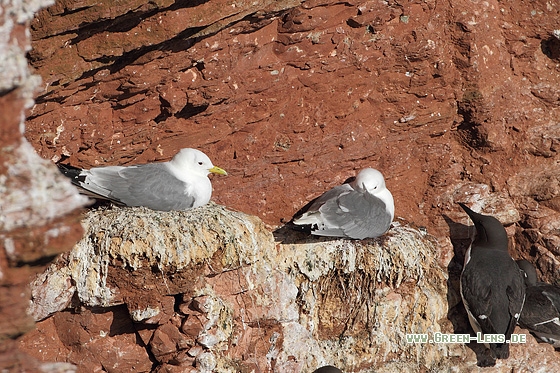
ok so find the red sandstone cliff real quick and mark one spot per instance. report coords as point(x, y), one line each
point(450, 100)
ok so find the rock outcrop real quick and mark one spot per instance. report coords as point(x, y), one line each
point(213, 290)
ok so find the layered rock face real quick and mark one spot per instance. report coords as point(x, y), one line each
point(453, 102)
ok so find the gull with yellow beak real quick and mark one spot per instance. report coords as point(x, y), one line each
point(180, 184)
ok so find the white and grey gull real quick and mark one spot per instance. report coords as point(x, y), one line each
point(362, 208)
point(179, 184)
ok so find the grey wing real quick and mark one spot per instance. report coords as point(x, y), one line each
point(149, 185)
point(311, 215)
point(358, 215)
point(328, 196)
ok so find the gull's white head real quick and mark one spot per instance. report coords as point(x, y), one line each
point(369, 179)
point(372, 181)
point(195, 161)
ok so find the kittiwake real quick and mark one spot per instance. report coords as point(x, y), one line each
point(363, 208)
point(180, 184)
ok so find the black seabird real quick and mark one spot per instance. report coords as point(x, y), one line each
point(327, 369)
point(492, 285)
point(540, 313)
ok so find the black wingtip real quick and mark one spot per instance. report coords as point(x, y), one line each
point(71, 172)
point(304, 209)
point(305, 228)
point(68, 170)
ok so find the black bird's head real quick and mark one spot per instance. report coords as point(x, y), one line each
point(490, 233)
point(327, 369)
point(529, 273)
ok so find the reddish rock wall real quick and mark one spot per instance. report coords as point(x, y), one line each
point(445, 98)
point(294, 102)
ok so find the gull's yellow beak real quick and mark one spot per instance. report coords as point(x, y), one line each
point(218, 170)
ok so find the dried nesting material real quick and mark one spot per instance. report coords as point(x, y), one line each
point(144, 244)
point(361, 298)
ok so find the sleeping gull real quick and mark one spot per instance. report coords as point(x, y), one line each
point(180, 184)
point(363, 208)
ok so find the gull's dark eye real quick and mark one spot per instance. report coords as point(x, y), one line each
point(200, 163)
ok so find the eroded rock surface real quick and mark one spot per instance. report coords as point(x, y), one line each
point(453, 102)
